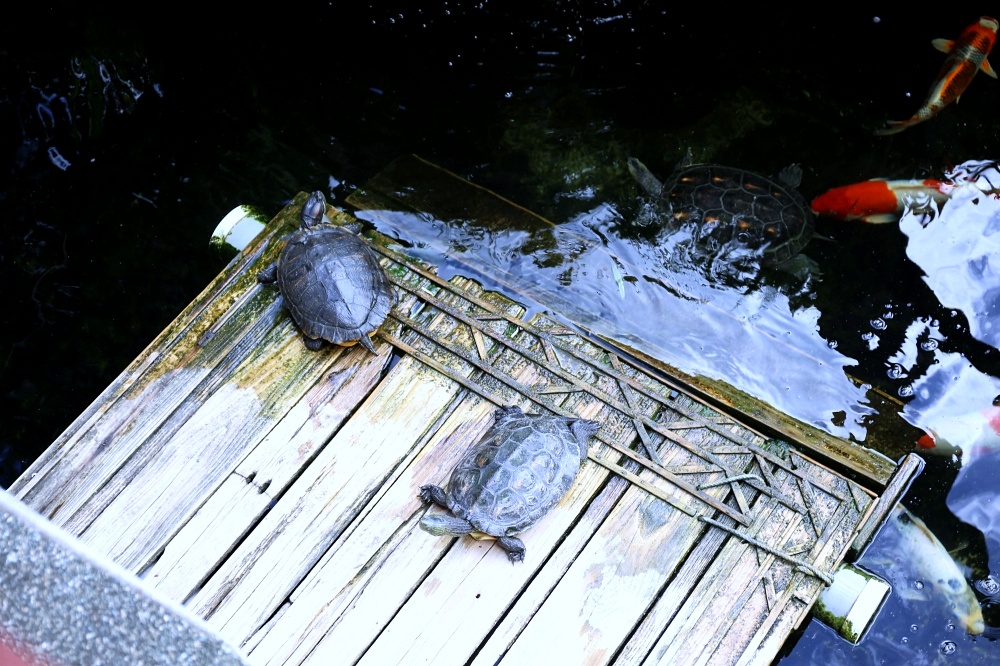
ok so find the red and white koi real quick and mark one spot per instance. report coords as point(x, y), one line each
point(970, 436)
point(966, 56)
point(879, 201)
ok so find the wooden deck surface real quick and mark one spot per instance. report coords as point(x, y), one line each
point(273, 490)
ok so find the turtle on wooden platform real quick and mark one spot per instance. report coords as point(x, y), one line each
point(331, 281)
point(510, 478)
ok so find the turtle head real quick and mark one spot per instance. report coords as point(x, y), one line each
point(443, 525)
point(313, 210)
point(644, 177)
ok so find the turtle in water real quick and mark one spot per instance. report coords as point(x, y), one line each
point(511, 477)
point(734, 212)
point(331, 281)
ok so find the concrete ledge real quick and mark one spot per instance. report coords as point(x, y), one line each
point(63, 604)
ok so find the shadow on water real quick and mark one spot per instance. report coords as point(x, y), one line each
point(127, 140)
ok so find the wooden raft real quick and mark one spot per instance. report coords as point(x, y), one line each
point(273, 490)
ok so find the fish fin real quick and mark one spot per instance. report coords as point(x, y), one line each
point(987, 69)
point(943, 45)
point(895, 126)
point(880, 218)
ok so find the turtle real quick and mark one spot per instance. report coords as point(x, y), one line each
point(741, 212)
point(520, 468)
point(331, 281)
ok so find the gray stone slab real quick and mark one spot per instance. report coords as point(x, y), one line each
point(62, 604)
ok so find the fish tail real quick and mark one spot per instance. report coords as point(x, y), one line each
point(897, 126)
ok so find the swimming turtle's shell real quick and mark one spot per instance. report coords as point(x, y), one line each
point(331, 281)
point(741, 211)
point(519, 470)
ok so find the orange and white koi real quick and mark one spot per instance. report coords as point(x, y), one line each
point(966, 56)
point(970, 436)
point(879, 201)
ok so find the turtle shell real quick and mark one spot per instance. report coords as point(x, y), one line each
point(332, 282)
point(519, 470)
point(743, 211)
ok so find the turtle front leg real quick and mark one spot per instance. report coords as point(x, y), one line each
point(269, 275)
point(514, 548)
point(431, 494)
point(312, 344)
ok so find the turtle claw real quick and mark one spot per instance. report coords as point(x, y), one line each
point(431, 494)
point(514, 548)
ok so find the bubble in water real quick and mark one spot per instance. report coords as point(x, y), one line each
point(948, 647)
point(879, 324)
point(950, 627)
point(896, 371)
point(904, 640)
point(988, 586)
point(906, 391)
point(930, 344)
point(913, 628)
point(832, 344)
point(918, 584)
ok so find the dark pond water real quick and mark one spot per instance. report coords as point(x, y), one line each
point(125, 140)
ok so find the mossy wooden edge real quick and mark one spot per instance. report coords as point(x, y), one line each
point(872, 468)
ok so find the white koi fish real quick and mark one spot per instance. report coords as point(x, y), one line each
point(921, 569)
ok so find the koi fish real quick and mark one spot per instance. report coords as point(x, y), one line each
point(966, 56)
point(879, 201)
point(915, 555)
point(970, 436)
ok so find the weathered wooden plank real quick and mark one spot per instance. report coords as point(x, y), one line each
point(367, 574)
point(321, 503)
point(400, 564)
point(705, 609)
point(594, 607)
point(115, 425)
point(729, 612)
point(263, 476)
point(452, 610)
point(138, 509)
point(666, 609)
point(909, 468)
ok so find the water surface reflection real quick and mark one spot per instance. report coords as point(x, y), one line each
point(755, 330)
